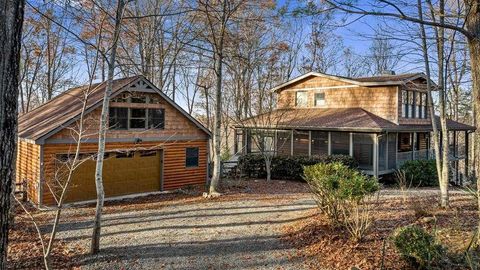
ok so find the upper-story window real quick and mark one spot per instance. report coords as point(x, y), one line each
point(319, 99)
point(122, 118)
point(414, 104)
point(423, 105)
point(301, 99)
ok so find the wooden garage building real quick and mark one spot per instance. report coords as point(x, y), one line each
point(152, 143)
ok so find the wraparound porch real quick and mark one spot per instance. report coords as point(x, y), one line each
point(378, 153)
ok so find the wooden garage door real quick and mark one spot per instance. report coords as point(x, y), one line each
point(123, 173)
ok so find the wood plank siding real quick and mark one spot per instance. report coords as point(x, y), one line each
point(380, 100)
point(28, 167)
point(139, 158)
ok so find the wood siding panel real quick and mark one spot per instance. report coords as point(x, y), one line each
point(174, 173)
point(28, 168)
point(382, 101)
point(176, 124)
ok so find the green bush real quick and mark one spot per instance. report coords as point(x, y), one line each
point(417, 246)
point(287, 167)
point(337, 189)
point(420, 173)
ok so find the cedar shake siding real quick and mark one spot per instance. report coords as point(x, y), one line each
point(138, 160)
point(381, 121)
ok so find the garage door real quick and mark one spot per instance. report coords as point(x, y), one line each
point(123, 173)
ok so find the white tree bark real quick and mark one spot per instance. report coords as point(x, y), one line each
point(95, 245)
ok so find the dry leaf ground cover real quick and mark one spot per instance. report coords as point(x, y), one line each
point(254, 225)
point(242, 229)
point(324, 247)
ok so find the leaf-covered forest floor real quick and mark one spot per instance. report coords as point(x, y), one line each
point(326, 247)
point(254, 225)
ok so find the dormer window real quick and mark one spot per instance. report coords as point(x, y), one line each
point(319, 99)
point(301, 99)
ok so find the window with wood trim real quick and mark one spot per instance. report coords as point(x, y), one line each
point(191, 157)
point(136, 118)
point(118, 118)
point(319, 99)
point(424, 106)
point(301, 99)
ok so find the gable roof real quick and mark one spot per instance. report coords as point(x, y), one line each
point(59, 112)
point(335, 119)
point(383, 80)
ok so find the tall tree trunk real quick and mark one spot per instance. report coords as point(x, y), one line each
point(472, 23)
point(435, 135)
point(217, 139)
point(95, 246)
point(11, 20)
point(217, 142)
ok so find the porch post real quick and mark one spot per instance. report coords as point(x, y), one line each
point(351, 145)
point(414, 143)
point(455, 153)
point(291, 143)
point(467, 151)
point(375, 155)
point(309, 143)
point(386, 151)
point(329, 143)
point(275, 137)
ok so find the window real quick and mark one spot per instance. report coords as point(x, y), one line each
point(118, 118)
point(138, 118)
point(191, 157)
point(138, 99)
point(418, 104)
point(301, 99)
point(125, 155)
point(156, 118)
point(404, 103)
point(424, 105)
point(319, 99)
point(410, 104)
point(147, 153)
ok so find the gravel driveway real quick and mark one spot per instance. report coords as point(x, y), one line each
point(237, 233)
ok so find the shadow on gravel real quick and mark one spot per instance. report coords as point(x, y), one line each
point(152, 217)
point(200, 226)
point(241, 248)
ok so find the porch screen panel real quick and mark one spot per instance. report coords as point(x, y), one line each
point(284, 141)
point(363, 150)
point(382, 152)
point(392, 151)
point(300, 143)
point(319, 143)
point(340, 143)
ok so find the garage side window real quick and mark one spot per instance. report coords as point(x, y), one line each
point(191, 157)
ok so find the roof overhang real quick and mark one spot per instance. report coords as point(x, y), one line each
point(126, 87)
point(349, 81)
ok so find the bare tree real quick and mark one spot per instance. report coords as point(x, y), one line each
point(467, 24)
point(11, 20)
point(383, 55)
point(216, 16)
point(95, 246)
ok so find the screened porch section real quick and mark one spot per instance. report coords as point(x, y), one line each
point(376, 153)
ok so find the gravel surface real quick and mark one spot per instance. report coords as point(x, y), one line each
point(240, 233)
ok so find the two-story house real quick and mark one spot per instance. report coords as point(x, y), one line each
point(381, 121)
point(152, 144)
